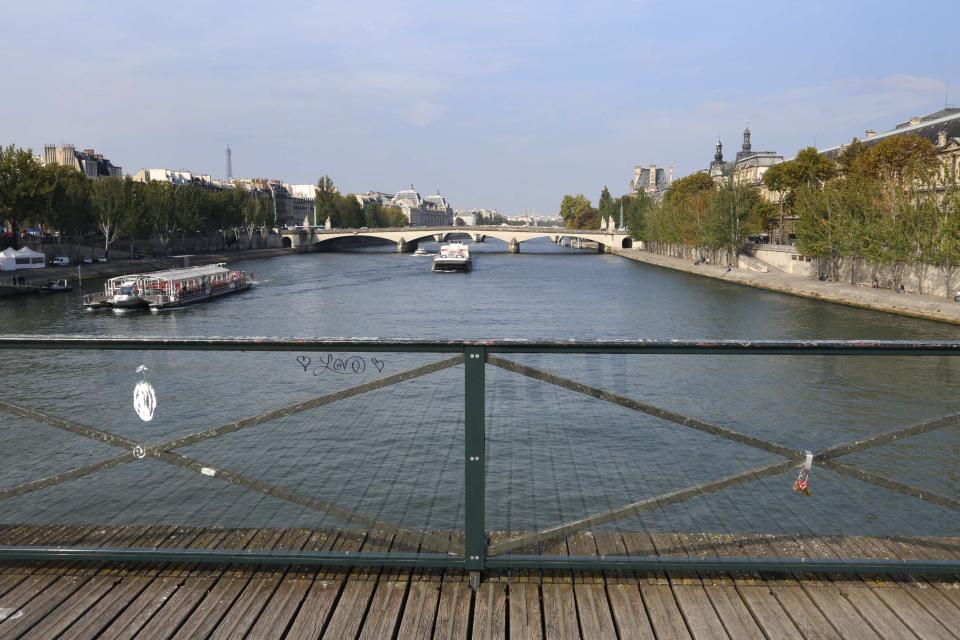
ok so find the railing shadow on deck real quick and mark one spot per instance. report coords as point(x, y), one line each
point(473, 547)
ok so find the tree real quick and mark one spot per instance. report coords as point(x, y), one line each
point(636, 210)
point(459, 222)
point(809, 168)
point(571, 207)
point(900, 160)
point(735, 213)
point(22, 196)
point(776, 179)
point(110, 199)
point(609, 206)
point(687, 187)
point(325, 202)
point(67, 203)
point(588, 218)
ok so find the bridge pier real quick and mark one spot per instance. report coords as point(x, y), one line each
point(514, 246)
point(438, 237)
point(406, 247)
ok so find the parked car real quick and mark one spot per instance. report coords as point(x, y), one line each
point(101, 258)
point(60, 261)
point(87, 260)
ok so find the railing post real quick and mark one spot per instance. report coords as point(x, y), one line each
point(474, 441)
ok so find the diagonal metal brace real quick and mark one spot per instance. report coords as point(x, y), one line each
point(563, 530)
point(643, 407)
point(438, 543)
point(306, 405)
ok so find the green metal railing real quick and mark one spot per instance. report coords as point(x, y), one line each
point(477, 553)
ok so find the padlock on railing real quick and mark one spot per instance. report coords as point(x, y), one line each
point(802, 485)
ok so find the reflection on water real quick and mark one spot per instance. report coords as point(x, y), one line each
point(553, 455)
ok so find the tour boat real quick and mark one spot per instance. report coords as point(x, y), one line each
point(57, 286)
point(165, 289)
point(454, 256)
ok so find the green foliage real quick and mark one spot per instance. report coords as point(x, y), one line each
point(23, 194)
point(688, 187)
point(608, 206)
point(636, 210)
point(572, 208)
point(901, 160)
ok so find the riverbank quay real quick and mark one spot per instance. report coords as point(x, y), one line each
point(260, 597)
point(907, 304)
point(114, 268)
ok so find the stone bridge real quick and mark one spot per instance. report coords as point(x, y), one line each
point(406, 238)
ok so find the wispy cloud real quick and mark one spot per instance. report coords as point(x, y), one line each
point(423, 113)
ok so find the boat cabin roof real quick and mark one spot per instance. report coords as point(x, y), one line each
point(177, 274)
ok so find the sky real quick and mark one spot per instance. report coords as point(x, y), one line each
point(499, 104)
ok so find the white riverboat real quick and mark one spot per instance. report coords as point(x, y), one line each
point(421, 252)
point(454, 256)
point(172, 288)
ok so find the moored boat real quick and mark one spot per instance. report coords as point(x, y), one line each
point(454, 256)
point(172, 288)
point(57, 286)
point(422, 252)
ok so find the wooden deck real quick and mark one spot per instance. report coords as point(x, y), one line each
point(62, 600)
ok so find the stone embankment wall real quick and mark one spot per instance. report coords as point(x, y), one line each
point(152, 247)
point(684, 252)
point(925, 279)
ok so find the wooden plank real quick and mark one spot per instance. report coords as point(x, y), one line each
point(453, 612)
point(490, 611)
point(720, 591)
point(151, 599)
point(221, 597)
point(134, 579)
point(559, 601)
point(16, 573)
point(593, 609)
point(920, 621)
point(59, 613)
point(525, 614)
point(859, 592)
point(187, 596)
point(278, 615)
point(420, 610)
point(626, 603)
point(456, 597)
point(662, 608)
point(258, 591)
point(392, 585)
point(351, 606)
point(695, 606)
point(53, 584)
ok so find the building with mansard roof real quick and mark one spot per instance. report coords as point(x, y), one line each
point(747, 168)
point(432, 211)
point(941, 128)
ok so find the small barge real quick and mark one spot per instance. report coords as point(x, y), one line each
point(453, 257)
point(166, 289)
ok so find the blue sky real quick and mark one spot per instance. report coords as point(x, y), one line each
point(498, 104)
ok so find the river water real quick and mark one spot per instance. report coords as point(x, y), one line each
point(553, 455)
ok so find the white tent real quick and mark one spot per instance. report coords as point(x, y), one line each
point(27, 258)
point(8, 259)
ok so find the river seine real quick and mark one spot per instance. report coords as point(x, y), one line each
point(553, 455)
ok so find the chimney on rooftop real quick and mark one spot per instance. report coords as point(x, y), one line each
point(941, 137)
point(870, 133)
point(914, 120)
